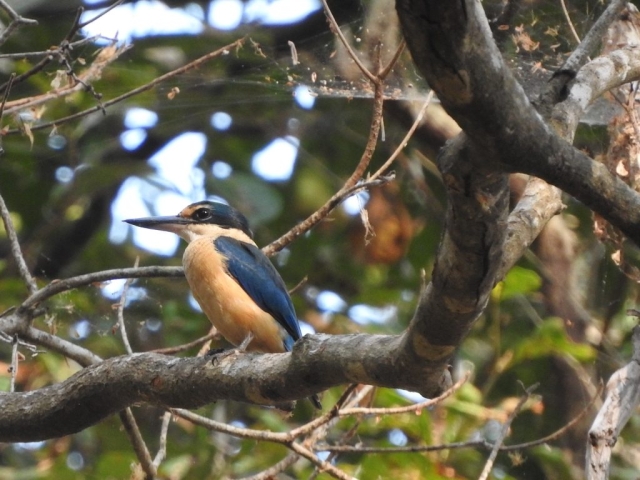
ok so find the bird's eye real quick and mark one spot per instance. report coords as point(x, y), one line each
point(202, 214)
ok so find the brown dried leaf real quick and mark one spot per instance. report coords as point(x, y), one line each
point(172, 94)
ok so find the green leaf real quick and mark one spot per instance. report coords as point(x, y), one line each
point(519, 281)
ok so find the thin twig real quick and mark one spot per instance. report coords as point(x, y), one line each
point(330, 204)
point(186, 346)
point(336, 412)
point(68, 349)
point(9, 339)
point(272, 472)
point(459, 445)
point(32, 71)
point(630, 108)
point(568, 18)
point(316, 429)
point(561, 431)
point(75, 25)
point(323, 465)
point(59, 286)
point(120, 322)
point(416, 408)
point(206, 346)
point(405, 140)
point(148, 86)
point(4, 102)
point(82, 82)
point(332, 414)
point(16, 21)
point(505, 430)
point(162, 447)
point(6, 93)
point(80, 26)
point(365, 159)
point(376, 182)
point(14, 362)
point(221, 427)
point(396, 56)
point(54, 51)
point(16, 252)
point(336, 29)
point(276, 437)
point(351, 397)
point(405, 449)
point(347, 436)
point(139, 447)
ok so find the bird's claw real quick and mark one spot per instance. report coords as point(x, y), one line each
point(218, 354)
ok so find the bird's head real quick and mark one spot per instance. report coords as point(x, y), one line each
point(210, 219)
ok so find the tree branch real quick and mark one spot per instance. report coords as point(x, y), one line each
point(316, 363)
point(16, 21)
point(452, 46)
point(623, 397)
point(148, 86)
point(16, 251)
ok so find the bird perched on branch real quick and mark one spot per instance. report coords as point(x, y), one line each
point(236, 285)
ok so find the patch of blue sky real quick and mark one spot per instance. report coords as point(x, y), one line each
point(414, 397)
point(141, 19)
point(275, 162)
point(137, 117)
point(113, 288)
point(305, 328)
point(132, 138)
point(175, 163)
point(328, 301)
point(129, 203)
point(29, 446)
point(217, 198)
point(221, 170)
point(160, 243)
point(278, 12)
point(153, 17)
point(221, 121)
point(225, 14)
point(80, 329)
point(193, 303)
point(355, 203)
point(366, 314)
point(397, 437)
point(64, 174)
point(304, 98)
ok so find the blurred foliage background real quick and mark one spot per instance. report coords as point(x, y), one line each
point(276, 140)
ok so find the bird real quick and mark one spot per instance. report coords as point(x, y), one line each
point(233, 281)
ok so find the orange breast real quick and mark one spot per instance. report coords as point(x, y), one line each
point(226, 304)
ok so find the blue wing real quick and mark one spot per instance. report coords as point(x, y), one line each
point(262, 282)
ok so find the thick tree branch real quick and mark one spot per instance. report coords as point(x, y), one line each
point(623, 398)
point(593, 80)
point(451, 42)
point(468, 258)
point(556, 87)
point(317, 362)
point(452, 46)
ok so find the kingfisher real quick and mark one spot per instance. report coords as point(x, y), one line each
point(235, 284)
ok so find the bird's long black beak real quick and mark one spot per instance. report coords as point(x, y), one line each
point(167, 224)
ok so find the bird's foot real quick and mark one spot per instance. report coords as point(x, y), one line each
point(217, 354)
point(214, 352)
